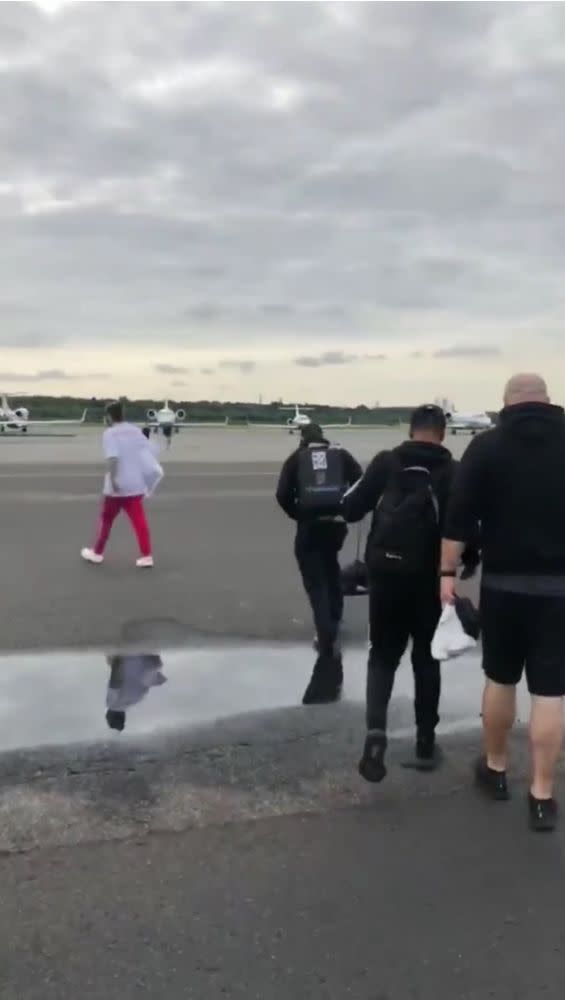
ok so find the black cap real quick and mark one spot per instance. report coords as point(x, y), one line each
point(115, 410)
point(428, 417)
point(312, 434)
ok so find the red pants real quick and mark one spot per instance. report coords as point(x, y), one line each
point(133, 507)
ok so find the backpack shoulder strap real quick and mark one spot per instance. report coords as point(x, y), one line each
point(431, 484)
point(394, 471)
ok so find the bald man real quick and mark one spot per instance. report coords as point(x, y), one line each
point(511, 480)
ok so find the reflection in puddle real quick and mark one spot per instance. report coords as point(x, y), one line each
point(132, 675)
point(62, 698)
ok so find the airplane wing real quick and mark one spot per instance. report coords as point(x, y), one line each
point(285, 427)
point(201, 423)
point(258, 425)
point(50, 423)
point(184, 423)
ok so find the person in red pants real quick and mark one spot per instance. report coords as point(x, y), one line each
point(131, 464)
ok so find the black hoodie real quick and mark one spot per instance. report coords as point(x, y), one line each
point(512, 480)
point(364, 496)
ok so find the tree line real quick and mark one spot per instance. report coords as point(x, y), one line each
point(69, 407)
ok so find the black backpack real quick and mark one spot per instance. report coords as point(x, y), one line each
point(320, 480)
point(405, 534)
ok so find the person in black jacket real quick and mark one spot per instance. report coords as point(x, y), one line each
point(407, 489)
point(320, 534)
point(512, 479)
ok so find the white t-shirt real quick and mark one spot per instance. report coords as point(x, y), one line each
point(130, 447)
point(138, 673)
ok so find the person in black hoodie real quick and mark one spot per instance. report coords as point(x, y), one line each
point(407, 489)
point(320, 534)
point(512, 479)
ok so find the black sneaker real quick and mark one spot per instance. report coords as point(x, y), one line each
point(372, 764)
point(326, 682)
point(492, 783)
point(427, 757)
point(543, 814)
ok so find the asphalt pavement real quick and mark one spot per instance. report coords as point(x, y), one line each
point(422, 890)
point(224, 560)
point(223, 550)
point(224, 844)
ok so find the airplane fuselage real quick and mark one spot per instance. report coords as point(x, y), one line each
point(470, 422)
point(19, 419)
point(301, 420)
point(298, 419)
point(13, 420)
point(165, 419)
point(13, 425)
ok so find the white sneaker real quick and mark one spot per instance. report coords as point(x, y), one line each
point(89, 555)
point(146, 562)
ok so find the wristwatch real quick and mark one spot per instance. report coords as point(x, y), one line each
point(448, 572)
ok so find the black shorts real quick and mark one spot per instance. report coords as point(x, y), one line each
point(522, 631)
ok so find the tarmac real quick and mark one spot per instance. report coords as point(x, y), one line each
point(223, 845)
point(223, 549)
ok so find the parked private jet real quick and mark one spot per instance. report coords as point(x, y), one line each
point(298, 420)
point(470, 422)
point(300, 417)
point(20, 420)
point(168, 420)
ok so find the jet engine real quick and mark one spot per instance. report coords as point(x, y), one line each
point(151, 414)
point(21, 413)
point(180, 415)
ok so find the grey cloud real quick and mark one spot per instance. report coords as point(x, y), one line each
point(328, 358)
point(178, 383)
point(176, 184)
point(203, 313)
point(165, 369)
point(335, 358)
point(207, 371)
point(326, 317)
point(207, 270)
point(277, 309)
point(245, 367)
point(49, 375)
point(468, 351)
point(15, 335)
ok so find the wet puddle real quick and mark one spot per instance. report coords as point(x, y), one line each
point(87, 697)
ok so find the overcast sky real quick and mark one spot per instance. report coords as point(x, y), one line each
point(321, 202)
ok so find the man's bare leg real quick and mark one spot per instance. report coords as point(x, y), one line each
point(499, 712)
point(546, 739)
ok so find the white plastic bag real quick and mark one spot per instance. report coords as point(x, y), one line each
point(450, 638)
